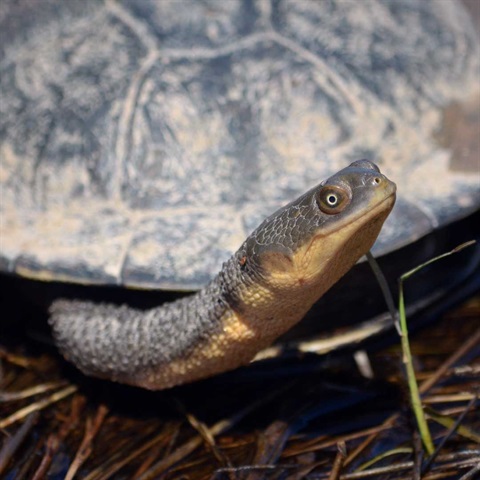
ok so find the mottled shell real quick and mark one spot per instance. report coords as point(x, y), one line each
point(141, 141)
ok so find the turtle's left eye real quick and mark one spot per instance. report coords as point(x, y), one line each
point(333, 199)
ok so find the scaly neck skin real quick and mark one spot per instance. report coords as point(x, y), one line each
point(273, 304)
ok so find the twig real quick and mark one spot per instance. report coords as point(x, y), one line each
point(85, 449)
point(270, 445)
point(12, 444)
point(55, 440)
point(29, 392)
point(466, 347)
point(450, 432)
point(338, 463)
point(33, 407)
point(472, 473)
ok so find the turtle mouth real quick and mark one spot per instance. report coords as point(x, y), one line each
point(385, 205)
point(390, 199)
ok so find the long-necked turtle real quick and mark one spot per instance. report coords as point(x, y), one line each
point(265, 288)
point(141, 141)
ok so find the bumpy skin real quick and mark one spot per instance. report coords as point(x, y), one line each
point(124, 344)
point(280, 270)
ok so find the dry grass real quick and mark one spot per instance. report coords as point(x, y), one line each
point(302, 418)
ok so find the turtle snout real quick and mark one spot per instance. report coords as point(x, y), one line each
point(382, 182)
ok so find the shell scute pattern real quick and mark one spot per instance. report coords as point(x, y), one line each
point(126, 123)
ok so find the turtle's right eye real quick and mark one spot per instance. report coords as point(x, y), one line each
point(332, 199)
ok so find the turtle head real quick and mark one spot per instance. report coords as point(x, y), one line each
point(314, 240)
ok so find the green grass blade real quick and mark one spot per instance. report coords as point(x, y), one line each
point(407, 356)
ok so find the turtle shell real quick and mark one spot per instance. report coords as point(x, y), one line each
point(141, 141)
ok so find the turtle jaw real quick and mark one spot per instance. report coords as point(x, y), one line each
point(329, 255)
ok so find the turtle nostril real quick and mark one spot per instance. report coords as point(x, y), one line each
point(377, 180)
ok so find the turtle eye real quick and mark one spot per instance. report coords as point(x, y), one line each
point(333, 199)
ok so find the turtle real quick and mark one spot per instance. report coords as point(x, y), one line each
point(142, 141)
point(266, 287)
